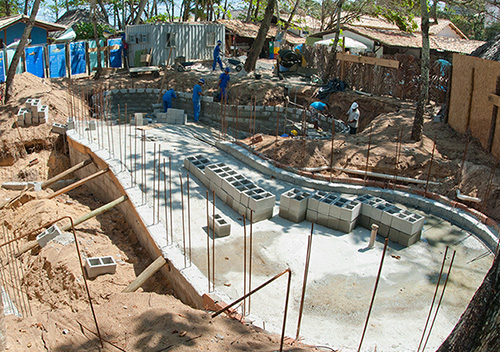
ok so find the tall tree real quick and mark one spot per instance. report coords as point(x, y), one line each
point(249, 13)
point(418, 121)
point(140, 10)
point(257, 45)
point(290, 19)
point(478, 329)
point(93, 9)
point(20, 48)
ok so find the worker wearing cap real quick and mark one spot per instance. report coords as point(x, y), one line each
point(167, 99)
point(316, 109)
point(197, 93)
point(353, 118)
point(217, 52)
point(223, 83)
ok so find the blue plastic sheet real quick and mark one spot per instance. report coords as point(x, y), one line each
point(77, 57)
point(35, 61)
point(93, 54)
point(57, 60)
point(2, 67)
point(10, 56)
point(115, 55)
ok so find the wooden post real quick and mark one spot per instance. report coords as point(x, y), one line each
point(494, 116)
point(77, 183)
point(471, 99)
point(65, 173)
point(146, 274)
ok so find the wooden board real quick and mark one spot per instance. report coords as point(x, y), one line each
point(368, 60)
point(144, 69)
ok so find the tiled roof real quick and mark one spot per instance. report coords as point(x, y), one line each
point(10, 20)
point(250, 30)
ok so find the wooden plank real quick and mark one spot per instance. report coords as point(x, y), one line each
point(368, 60)
point(494, 99)
point(146, 274)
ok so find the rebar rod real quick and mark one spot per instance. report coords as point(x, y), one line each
point(440, 300)
point(189, 221)
point(183, 222)
point(331, 155)
point(16, 296)
point(433, 299)
point(367, 153)
point(135, 152)
point(124, 161)
point(244, 263)
point(277, 124)
point(250, 259)
point(154, 181)
point(304, 281)
point(22, 275)
point(165, 201)
point(170, 196)
point(213, 240)
point(120, 136)
point(208, 245)
point(374, 293)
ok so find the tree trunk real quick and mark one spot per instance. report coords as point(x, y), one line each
point(418, 122)
point(93, 9)
point(256, 10)
point(140, 10)
point(256, 48)
point(26, 6)
point(103, 9)
point(295, 6)
point(332, 62)
point(249, 13)
point(20, 48)
point(225, 10)
point(478, 329)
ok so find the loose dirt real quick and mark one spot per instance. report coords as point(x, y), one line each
point(152, 319)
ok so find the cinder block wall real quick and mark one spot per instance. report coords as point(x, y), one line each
point(266, 117)
point(108, 188)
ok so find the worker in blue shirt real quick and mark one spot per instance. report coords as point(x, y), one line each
point(223, 83)
point(217, 52)
point(315, 110)
point(167, 99)
point(197, 93)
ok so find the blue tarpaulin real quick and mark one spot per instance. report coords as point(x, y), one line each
point(57, 60)
point(35, 62)
point(115, 55)
point(77, 57)
point(93, 54)
point(10, 56)
point(2, 67)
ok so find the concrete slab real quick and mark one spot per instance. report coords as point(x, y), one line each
point(342, 269)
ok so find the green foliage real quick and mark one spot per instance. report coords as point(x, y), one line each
point(160, 18)
point(86, 30)
point(11, 7)
point(492, 32)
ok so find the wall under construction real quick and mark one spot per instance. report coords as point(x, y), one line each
point(472, 107)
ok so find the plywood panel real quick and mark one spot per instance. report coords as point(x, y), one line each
point(460, 93)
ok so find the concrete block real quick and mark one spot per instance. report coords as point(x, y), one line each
point(43, 111)
point(92, 125)
point(269, 108)
point(333, 223)
point(34, 119)
point(314, 201)
point(59, 128)
point(394, 235)
point(383, 229)
point(161, 116)
point(42, 120)
point(222, 227)
point(100, 265)
point(407, 241)
point(346, 226)
point(322, 219)
point(388, 214)
point(283, 212)
point(260, 214)
point(311, 215)
point(34, 105)
point(27, 104)
point(221, 194)
point(264, 200)
point(324, 207)
point(48, 235)
point(364, 221)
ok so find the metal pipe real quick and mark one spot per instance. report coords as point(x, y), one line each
point(304, 281)
point(430, 167)
point(433, 299)
point(440, 299)
point(208, 245)
point(183, 228)
point(165, 200)
point(374, 292)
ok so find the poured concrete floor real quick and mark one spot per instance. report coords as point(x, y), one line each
point(342, 270)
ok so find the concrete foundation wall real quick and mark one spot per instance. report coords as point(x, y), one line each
point(141, 100)
point(108, 187)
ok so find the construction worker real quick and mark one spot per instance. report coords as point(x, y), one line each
point(353, 118)
point(217, 52)
point(315, 110)
point(197, 93)
point(223, 83)
point(167, 99)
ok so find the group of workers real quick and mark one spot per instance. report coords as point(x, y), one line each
point(315, 109)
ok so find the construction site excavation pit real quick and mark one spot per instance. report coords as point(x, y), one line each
point(150, 164)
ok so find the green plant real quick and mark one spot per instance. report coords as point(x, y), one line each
point(85, 30)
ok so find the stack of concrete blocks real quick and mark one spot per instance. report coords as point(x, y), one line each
point(138, 119)
point(222, 227)
point(24, 117)
point(401, 226)
point(70, 125)
point(196, 166)
point(293, 205)
point(239, 193)
point(176, 117)
point(59, 128)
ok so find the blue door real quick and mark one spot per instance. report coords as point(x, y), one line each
point(35, 62)
point(115, 54)
point(93, 54)
point(77, 57)
point(2, 67)
point(57, 60)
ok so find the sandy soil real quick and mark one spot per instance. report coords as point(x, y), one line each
point(152, 319)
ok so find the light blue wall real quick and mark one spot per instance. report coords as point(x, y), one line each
point(38, 35)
